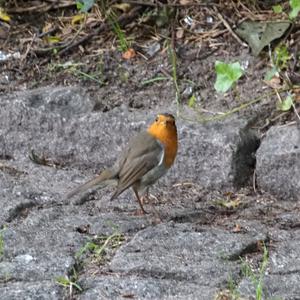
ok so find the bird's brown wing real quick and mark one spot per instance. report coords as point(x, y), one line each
point(143, 154)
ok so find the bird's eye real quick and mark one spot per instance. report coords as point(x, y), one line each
point(156, 119)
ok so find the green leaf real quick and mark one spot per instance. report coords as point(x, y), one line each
point(63, 281)
point(227, 75)
point(158, 78)
point(78, 287)
point(277, 9)
point(295, 5)
point(192, 101)
point(270, 74)
point(286, 104)
point(84, 5)
point(281, 56)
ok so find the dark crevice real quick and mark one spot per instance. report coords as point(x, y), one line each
point(244, 159)
point(195, 216)
point(160, 275)
point(5, 156)
point(21, 210)
point(254, 247)
point(286, 272)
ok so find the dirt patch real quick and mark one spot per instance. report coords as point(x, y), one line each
point(53, 48)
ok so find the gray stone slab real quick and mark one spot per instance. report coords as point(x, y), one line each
point(278, 162)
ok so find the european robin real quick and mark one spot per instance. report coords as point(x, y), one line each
point(147, 157)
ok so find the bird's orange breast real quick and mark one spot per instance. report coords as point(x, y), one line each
point(167, 135)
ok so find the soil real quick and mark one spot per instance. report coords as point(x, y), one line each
point(195, 33)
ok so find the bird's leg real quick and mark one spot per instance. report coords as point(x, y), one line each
point(140, 201)
point(156, 213)
point(148, 195)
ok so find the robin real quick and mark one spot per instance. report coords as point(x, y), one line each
point(147, 157)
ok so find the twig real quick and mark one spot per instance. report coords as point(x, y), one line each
point(42, 51)
point(288, 124)
point(296, 112)
point(254, 181)
point(226, 24)
point(278, 96)
point(202, 119)
point(159, 4)
point(273, 120)
point(28, 49)
point(51, 31)
point(42, 8)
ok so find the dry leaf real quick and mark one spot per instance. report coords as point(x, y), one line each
point(3, 16)
point(274, 83)
point(47, 27)
point(124, 7)
point(185, 2)
point(296, 95)
point(53, 39)
point(260, 245)
point(77, 18)
point(237, 228)
point(130, 53)
point(179, 33)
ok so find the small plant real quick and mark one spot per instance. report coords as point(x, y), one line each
point(281, 57)
point(123, 43)
point(257, 279)
point(227, 75)
point(69, 282)
point(277, 9)
point(2, 242)
point(74, 68)
point(279, 61)
point(295, 6)
point(286, 104)
point(84, 5)
point(99, 245)
point(295, 9)
point(192, 101)
point(232, 287)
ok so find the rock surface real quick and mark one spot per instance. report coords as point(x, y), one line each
point(222, 153)
point(278, 162)
point(189, 247)
point(217, 155)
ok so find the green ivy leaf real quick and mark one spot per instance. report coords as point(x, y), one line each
point(295, 5)
point(84, 5)
point(227, 75)
point(286, 104)
point(277, 9)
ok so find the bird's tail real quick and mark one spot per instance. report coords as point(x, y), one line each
point(99, 180)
